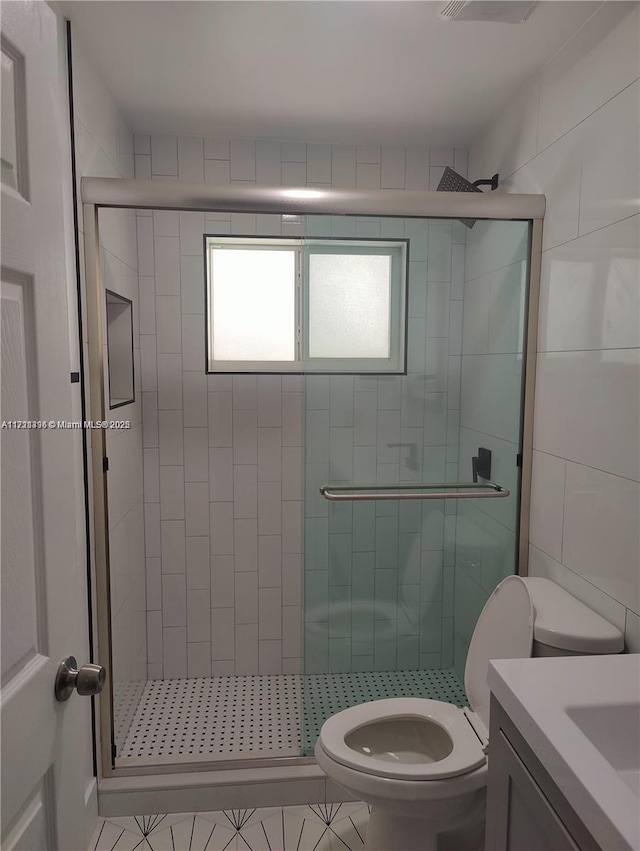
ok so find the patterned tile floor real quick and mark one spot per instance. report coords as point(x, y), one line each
point(226, 717)
point(318, 827)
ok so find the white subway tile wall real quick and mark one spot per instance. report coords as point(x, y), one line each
point(572, 134)
point(224, 456)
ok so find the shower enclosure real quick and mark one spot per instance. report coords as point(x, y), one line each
point(299, 542)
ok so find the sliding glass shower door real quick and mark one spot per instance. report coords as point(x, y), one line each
point(491, 415)
point(393, 587)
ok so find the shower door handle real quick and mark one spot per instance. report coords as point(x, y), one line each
point(443, 490)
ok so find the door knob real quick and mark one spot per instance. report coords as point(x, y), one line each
point(88, 680)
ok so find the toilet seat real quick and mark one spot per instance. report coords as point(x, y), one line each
point(466, 752)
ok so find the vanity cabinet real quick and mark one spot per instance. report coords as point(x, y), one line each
point(525, 809)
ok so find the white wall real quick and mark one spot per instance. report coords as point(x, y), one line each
point(223, 454)
point(572, 133)
point(104, 148)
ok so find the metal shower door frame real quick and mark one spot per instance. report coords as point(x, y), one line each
point(123, 193)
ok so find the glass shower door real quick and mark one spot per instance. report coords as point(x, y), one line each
point(377, 622)
point(491, 398)
point(392, 588)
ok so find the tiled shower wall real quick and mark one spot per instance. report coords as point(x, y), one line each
point(223, 457)
point(222, 476)
point(572, 133)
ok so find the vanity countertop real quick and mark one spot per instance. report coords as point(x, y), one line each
point(581, 717)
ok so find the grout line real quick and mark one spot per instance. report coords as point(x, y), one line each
point(586, 351)
point(538, 113)
point(589, 232)
point(487, 434)
point(120, 260)
point(587, 466)
point(574, 34)
point(566, 133)
point(580, 576)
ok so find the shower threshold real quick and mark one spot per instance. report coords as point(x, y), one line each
point(221, 719)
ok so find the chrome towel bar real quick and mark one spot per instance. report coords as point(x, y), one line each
point(443, 490)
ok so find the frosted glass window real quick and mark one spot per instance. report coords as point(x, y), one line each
point(349, 306)
point(253, 294)
point(295, 305)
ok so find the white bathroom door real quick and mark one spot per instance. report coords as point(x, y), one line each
point(44, 743)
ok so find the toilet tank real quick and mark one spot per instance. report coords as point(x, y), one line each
point(563, 626)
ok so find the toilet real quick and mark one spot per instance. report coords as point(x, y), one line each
point(422, 764)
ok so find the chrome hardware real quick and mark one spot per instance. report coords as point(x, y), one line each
point(471, 490)
point(89, 680)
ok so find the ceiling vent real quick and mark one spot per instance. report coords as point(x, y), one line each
point(492, 11)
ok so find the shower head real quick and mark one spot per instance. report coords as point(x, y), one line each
point(451, 181)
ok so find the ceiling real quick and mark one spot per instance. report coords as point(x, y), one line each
point(388, 72)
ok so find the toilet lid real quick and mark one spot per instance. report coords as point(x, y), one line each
point(504, 631)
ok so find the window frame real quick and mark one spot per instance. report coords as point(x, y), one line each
point(249, 366)
point(396, 249)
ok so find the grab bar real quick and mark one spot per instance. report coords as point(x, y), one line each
point(473, 490)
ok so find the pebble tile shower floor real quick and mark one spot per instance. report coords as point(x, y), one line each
point(219, 718)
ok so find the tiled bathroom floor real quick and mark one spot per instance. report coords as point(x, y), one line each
point(318, 827)
point(218, 718)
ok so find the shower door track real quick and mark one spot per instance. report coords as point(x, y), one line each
point(124, 193)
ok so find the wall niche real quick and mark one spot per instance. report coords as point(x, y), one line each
point(120, 349)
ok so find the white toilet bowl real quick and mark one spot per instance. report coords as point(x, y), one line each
point(418, 763)
point(421, 764)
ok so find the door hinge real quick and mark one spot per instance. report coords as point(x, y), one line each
point(105, 464)
point(114, 751)
point(75, 377)
point(519, 459)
